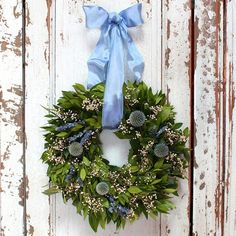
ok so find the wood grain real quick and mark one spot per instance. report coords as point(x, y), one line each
point(230, 119)
point(13, 181)
point(37, 77)
point(208, 202)
point(176, 80)
point(189, 52)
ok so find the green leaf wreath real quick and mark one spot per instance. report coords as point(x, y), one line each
point(100, 191)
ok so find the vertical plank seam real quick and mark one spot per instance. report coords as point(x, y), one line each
point(224, 115)
point(192, 116)
point(162, 20)
point(23, 114)
point(52, 98)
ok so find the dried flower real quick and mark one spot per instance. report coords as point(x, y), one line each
point(161, 150)
point(102, 188)
point(137, 118)
point(75, 137)
point(66, 126)
point(75, 149)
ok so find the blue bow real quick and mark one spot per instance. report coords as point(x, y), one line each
point(115, 59)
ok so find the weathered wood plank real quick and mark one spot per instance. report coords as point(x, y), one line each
point(230, 116)
point(72, 20)
point(13, 183)
point(37, 23)
point(176, 82)
point(208, 207)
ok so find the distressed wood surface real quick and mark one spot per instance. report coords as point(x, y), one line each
point(230, 116)
point(189, 53)
point(209, 127)
point(176, 81)
point(214, 115)
point(12, 188)
point(38, 86)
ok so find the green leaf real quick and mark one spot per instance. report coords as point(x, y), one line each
point(105, 203)
point(177, 125)
point(103, 220)
point(156, 181)
point(86, 161)
point(186, 132)
point(134, 169)
point(159, 164)
point(170, 190)
point(82, 174)
point(93, 221)
point(134, 189)
point(162, 208)
point(92, 122)
point(165, 113)
point(62, 134)
point(122, 201)
point(99, 87)
point(77, 127)
point(51, 191)
point(79, 88)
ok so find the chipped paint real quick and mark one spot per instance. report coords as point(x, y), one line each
point(17, 11)
point(13, 44)
point(48, 18)
point(168, 29)
point(62, 37)
point(48, 23)
point(27, 15)
point(202, 186)
point(167, 57)
point(23, 190)
point(31, 230)
point(13, 110)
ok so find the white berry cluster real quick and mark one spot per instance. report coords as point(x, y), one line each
point(94, 204)
point(129, 96)
point(93, 104)
point(155, 111)
point(68, 115)
point(176, 162)
point(145, 149)
point(172, 136)
point(149, 201)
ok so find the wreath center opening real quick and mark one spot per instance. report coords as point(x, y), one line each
point(115, 150)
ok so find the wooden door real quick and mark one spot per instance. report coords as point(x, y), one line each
point(188, 47)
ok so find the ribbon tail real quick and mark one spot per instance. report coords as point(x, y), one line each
point(97, 63)
point(113, 96)
point(135, 63)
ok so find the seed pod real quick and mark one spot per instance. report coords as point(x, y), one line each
point(75, 149)
point(102, 188)
point(137, 118)
point(161, 150)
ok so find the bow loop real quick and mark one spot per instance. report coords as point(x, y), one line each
point(96, 16)
point(115, 59)
point(132, 16)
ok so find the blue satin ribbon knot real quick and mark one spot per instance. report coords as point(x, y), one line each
point(115, 59)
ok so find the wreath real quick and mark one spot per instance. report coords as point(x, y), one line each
point(73, 152)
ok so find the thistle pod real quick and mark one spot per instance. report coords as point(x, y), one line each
point(137, 118)
point(153, 131)
point(75, 149)
point(102, 188)
point(161, 150)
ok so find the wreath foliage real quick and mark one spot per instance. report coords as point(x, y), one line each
point(100, 191)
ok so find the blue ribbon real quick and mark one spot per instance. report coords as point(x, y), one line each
point(115, 59)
